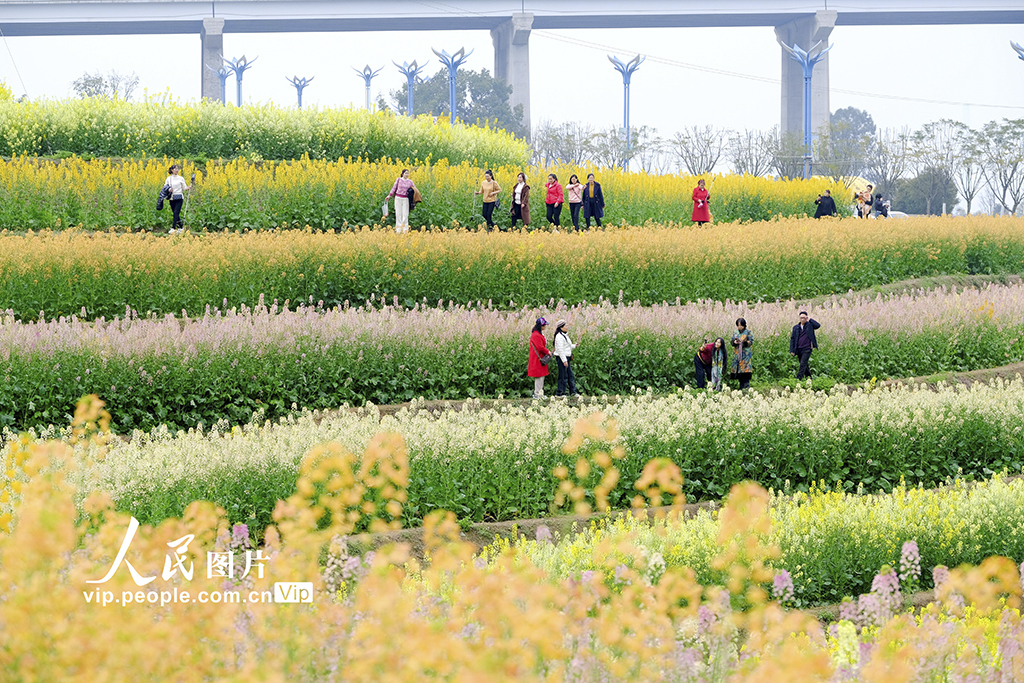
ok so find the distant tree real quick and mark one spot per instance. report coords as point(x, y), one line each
point(699, 148)
point(926, 193)
point(112, 86)
point(751, 152)
point(889, 160)
point(851, 123)
point(568, 143)
point(479, 98)
point(1001, 154)
point(838, 154)
point(851, 136)
point(953, 147)
point(648, 149)
point(787, 153)
point(608, 148)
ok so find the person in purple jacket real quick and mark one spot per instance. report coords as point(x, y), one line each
point(402, 191)
point(802, 341)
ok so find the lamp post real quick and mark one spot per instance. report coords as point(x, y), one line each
point(453, 62)
point(239, 67)
point(626, 69)
point(411, 73)
point(300, 85)
point(222, 74)
point(368, 75)
point(807, 60)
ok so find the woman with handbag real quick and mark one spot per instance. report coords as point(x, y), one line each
point(521, 201)
point(400, 191)
point(537, 367)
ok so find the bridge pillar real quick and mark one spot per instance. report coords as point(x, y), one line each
point(212, 36)
point(805, 33)
point(512, 59)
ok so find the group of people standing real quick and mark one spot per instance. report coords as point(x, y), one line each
point(540, 359)
point(587, 199)
point(713, 358)
point(863, 205)
point(711, 362)
point(583, 198)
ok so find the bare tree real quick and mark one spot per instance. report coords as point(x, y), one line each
point(967, 173)
point(889, 159)
point(112, 86)
point(568, 142)
point(699, 148)
point(787, 153)
point(608, 148)
point(1001, 146)
point(751, 152)
point(648, 149)
point(953, 147)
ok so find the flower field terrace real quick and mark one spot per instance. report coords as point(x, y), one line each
point(57, 274)
point(512, 616)
point(488, 464)
point(338, 193)
point(226, 365)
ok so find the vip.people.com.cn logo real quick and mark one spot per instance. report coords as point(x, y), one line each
point(218, 565)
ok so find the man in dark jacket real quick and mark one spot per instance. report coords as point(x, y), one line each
point(826, 205)
point(802, 341)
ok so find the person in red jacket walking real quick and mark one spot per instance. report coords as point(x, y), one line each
point(554, 200)
point(701, 212)
point(538, 352)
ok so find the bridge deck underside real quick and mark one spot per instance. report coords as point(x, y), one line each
point(68, 24)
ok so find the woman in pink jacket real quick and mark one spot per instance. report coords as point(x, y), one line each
point(554, 200)
point(574, 195)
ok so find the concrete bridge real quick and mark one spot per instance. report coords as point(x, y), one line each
point(803, 22)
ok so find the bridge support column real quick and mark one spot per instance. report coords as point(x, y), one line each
point(805, 33)
point(213, 58)
point(512, 59)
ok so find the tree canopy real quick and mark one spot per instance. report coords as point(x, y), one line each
point(479, 97)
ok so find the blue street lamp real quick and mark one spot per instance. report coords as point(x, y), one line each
point(626, 69)
point(239, 66)
point(222, 74)
point(300, 85)
point(411, 73)
point(807, 61)
point(453, 62)
point(368, 75)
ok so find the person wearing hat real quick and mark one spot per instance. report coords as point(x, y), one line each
point(563, 354)
point(537, 367)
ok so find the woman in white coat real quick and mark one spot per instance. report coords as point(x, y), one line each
point(563, 354)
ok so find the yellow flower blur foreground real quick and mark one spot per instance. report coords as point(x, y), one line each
point(76, 609)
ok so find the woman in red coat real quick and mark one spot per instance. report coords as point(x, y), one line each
point(701, 212)
point(554, 200)
point(538, 350)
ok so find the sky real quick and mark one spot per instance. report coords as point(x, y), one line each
point(726, 77)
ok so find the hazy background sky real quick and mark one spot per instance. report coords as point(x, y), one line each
point(968, 73)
